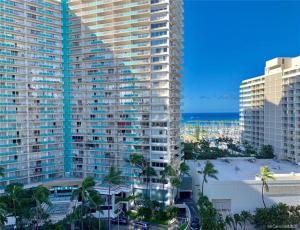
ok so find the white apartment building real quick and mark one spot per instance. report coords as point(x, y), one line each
point(270, 109)
point(86, 83)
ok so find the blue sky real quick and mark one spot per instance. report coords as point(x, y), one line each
point(228, 41)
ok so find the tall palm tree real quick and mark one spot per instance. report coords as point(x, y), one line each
point(144, 167)
point(245, 217)
point(83, 193)
point(175, 182)
point(13, 195)
point(40, 195)
point(148, 172)
point(265, 175)
point(168, 171)
point(113, 177)
point(208, 171)
point(96, 201)
point(138, 161)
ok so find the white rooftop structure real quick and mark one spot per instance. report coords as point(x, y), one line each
point(238, 188)
point(239, 169)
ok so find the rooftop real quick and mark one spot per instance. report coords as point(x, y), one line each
point(237, 169)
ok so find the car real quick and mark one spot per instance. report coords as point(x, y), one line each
point(141, 225)
point(120, 220)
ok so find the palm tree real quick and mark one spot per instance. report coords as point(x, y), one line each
point(237, 221)
point(265, 175)
point(139, 162)
point(208, 171)
point(83, 193)
point(113, 177)
point(3, 214)
point(229, 221)
point(184, 169)
point(13, 195)
point(168, 171)
point(40, 195)
point(144, 167)
point(148, 172)
point(245, 217)
point(233, 221)
point(96, 201)
point(175, 182)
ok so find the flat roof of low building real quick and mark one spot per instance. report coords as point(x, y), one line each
point(246, 168)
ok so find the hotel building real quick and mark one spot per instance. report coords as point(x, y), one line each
point(86, 83)
point(270, 108)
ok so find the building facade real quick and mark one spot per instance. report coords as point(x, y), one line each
point(269, 110)
point(31, 92)
point(84, 84)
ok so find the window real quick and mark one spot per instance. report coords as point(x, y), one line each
point(159, 42)
point(158, 148)
point(158, 25)
point(158, 34)
point(157, 67)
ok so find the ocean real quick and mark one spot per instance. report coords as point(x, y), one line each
point(192, 117)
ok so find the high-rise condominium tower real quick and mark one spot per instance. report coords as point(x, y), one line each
point(87, 83)
point(31, 92)
point(269, 107)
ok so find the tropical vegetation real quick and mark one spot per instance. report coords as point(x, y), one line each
point(265, 175)
point(202, 150)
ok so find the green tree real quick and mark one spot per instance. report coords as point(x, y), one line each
point(175, 183)
point(208, 171)
point(3, 214)
point(249, 151)
point(245, 217)
point(204, 145)
point(167, 172)
point(229, 221)
point(13, 195)
point(189, 150)
point(262, 218)
point(40, 196)
point(266, 152)
point(95, 201)
point(144, 212)
point(294, 214)
point(145, 169)
point(148, 172)
point(265, 175)
point(209, 218)
point(184, 169)
point(114, 177)
point(83, 194)
point(137, 160)
point(234, 221)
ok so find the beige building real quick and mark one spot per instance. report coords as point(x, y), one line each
point(269, 108)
